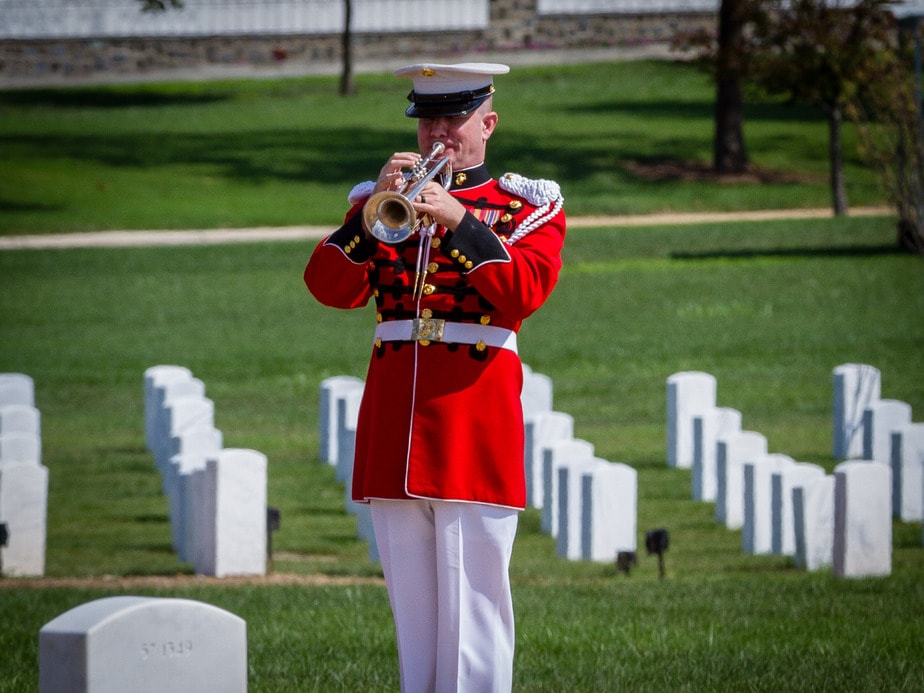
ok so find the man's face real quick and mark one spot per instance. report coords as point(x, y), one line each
point(465, 136)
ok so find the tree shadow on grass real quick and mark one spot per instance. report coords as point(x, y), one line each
point(753, 253)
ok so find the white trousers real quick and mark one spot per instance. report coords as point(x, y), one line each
point(446, 566)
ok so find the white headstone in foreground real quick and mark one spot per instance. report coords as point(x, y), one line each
point(879, 420)
point(862, 519)
point(332, 389)
point(232, 514)
point(24, 510)
point(813, 523)
point(856, 386)
point(143, 645)
point(908, 472)
point(709, 427)
point(689, 393)
point(731, 454)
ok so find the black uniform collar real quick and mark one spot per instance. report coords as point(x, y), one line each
point(470, 177)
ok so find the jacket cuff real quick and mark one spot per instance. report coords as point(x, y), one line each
point(352, 240)
point(473, 244)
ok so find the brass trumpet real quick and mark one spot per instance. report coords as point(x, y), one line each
point(389, 215)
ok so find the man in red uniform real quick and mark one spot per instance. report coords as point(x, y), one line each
point(439, 441)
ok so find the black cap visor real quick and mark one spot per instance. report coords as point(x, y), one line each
point(446, 105)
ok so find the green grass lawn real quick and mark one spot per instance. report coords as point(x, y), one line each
point(284, 152)
point(769, 308)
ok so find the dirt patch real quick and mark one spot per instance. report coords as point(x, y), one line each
point(656, 171)
point(132, 582)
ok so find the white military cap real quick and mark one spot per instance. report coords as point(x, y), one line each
point(449, 90)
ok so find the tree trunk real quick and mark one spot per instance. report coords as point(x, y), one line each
point(729, 154)
point(836, 159)
point(347, 85)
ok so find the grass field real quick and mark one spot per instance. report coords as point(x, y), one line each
point(283, 152)
point(769, 308)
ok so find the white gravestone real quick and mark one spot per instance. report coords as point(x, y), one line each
point(856, 386)
point(757, 531)
point(190, 441)
point(541, 429)
point(709, 427)
point(862, 519)
point(570, 506)
point(331, 390)
point(164, 394)
point(555, 456)
point(347, 418)
point(536, 395)
point(24, 510)
point(16, 388)
point(180, 499)
point(879, 420)
point(689, 394)
point(153, 377)
point(20, 447)
point(233, 512)
point(20, 418)
point(183, 414)
point(783, 523)
point(813, 523)
point(143, 645)
point(609, 511)
point(908, 472)
point(731, 454)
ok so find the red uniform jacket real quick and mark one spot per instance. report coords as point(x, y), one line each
point(438, 419)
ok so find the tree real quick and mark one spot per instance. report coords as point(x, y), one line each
point(889, 125)
point(347, 85)
point(821, 52)
point(725, 55)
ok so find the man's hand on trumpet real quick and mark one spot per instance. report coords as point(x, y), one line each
point(392, 175)
point(436, 202)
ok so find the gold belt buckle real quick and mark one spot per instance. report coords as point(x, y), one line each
point(427, 329)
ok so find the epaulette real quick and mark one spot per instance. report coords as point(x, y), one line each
point(537, 192)
point(545, 195)
point(361, 192)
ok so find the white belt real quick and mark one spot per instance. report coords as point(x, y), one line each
point(432, 330)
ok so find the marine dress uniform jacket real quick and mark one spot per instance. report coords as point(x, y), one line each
point(441, 416)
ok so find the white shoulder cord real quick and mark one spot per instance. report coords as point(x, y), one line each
point(545, 194)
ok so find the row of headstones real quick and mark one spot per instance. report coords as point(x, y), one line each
point(589, 504)
point(217, 496)
point(786, 507)
point(23, 479)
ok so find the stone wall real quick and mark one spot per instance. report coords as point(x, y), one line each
point(514, 27)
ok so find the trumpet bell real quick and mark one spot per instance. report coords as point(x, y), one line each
point(390, 217)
